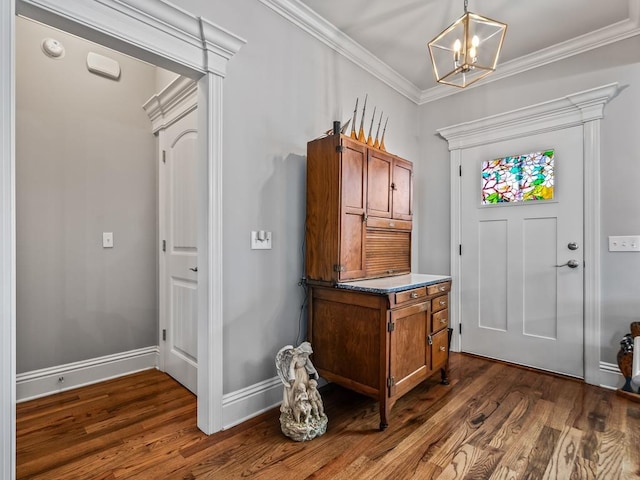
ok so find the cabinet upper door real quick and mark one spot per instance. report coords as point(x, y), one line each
point(402, 190)
point(353, 198)
point(380, 171)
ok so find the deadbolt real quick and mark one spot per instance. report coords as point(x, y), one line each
point(572, 246)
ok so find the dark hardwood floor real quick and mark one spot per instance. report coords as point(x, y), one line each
point(494, 421)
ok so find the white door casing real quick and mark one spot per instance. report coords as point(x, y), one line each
point(174, 120)
point(164, 35)
point(516, 305)
point(583, 108)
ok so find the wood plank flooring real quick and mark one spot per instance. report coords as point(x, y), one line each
point(494, 421)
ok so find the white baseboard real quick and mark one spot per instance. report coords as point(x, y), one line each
point(251, 401)
point(610, 376)
point(39, 383)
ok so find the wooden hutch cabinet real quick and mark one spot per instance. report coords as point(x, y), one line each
point(375, 327)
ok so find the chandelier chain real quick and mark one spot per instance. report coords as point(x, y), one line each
point(466, 3)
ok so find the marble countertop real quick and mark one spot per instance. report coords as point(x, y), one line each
point(394, 284)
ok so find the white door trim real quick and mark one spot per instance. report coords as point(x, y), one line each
point(7, 244)
point(164, 35)
point(583, 108)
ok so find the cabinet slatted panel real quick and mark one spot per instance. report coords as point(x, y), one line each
point(388, 252)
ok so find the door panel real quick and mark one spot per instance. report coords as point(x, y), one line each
point(402, 190)
point(379, 181)
point(492, 274)
point(409, 349)
point(517, 305)
point(353, 165)
point(179, 261)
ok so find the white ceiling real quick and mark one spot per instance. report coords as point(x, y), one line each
point(390, 37)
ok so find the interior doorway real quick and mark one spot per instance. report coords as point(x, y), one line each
point(86, 208)
point(172, 38)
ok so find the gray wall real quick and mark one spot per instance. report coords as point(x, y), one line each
point(85, 164)
point(282, 89)
point(620, 166)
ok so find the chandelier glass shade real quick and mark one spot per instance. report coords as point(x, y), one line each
point(467, 50)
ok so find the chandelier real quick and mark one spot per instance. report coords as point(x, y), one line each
point(467, 50)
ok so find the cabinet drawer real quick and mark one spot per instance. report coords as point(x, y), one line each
point(439, 303)
point(438, 288)
point(377, 222)
point(409, 295)
point(440, 320)
point(439, 349)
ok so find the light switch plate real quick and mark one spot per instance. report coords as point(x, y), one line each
point(626, 243)
point(107, 239)
point(260, 240)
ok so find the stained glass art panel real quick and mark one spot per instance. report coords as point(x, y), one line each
point(517, 179)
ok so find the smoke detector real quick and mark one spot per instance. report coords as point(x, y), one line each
point(52, 48)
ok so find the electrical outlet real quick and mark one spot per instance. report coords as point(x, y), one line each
point(626, 243)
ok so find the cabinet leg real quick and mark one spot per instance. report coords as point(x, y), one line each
point(384, 415)
point(444, 375)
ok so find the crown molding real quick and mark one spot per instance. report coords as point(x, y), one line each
point(172, 103)
point(315, 25)
point(308, 20)
point(563, 112)
point(169, 32)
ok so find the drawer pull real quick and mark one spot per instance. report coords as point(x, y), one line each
point(443, 320)
point(392, 224)
point(414, 295)
point(443, 288)
point(442, 348)
point(443, 302)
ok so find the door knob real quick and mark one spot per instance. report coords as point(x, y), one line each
point(572, 246)
point(570, 264)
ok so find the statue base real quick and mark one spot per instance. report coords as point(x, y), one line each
point(303, 431)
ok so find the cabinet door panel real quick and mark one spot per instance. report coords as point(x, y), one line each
point(353, 171)
point(352, 253)
point(409, 353)
point(379, 184)
point(402, 190)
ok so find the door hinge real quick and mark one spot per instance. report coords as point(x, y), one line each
point(164, 245)
point(391, 326)
point(338, 268)
point(339, 149)
point(460, 170)
point(460, 328)
point(164, 156)
point(460, 249)
point(164, 334)
point(430, 340)
point(391, 382)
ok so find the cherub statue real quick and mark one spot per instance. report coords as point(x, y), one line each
point(301, 413)
point(294, 367)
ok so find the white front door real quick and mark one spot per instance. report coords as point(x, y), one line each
point(179, 255)
point(517, 303)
